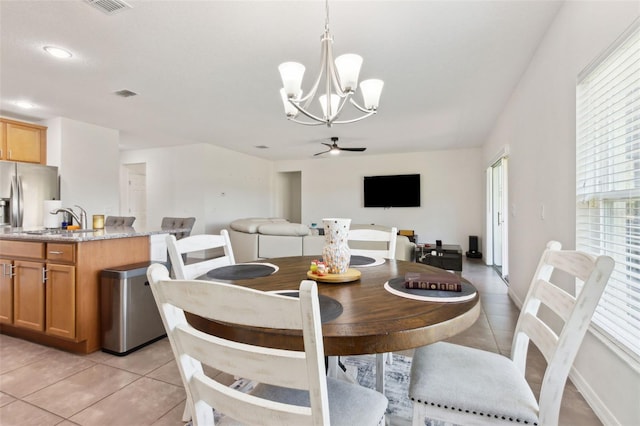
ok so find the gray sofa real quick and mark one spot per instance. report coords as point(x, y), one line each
point(264, 238)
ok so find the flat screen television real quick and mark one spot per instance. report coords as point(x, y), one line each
point(392, 191)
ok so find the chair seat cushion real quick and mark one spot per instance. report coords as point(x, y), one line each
point(349, 404)
point(470, 380)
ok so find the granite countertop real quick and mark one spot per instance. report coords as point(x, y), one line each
point(80, 235)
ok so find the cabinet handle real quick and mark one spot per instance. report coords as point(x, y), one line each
point(56, 252)
point(44, 275)
point(9, 157)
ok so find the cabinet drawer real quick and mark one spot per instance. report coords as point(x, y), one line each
point(61, 252)
point(19, 249)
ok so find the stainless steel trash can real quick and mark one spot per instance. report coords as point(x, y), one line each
point(129, 314)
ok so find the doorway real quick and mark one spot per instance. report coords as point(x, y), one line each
point(133, 192)
point(497, 215)
point(289, 195)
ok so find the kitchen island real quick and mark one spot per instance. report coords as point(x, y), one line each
point(50, 280)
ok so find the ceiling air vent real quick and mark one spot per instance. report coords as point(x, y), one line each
point(109, 6)
point(124, 93)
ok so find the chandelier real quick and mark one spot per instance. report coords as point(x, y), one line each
point(340, 78)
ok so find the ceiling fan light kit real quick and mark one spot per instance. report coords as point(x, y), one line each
point(340, 78)
point(334, 149)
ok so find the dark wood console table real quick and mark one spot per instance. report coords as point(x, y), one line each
point(447, 256)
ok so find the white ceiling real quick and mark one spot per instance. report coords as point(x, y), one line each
point(206, 71)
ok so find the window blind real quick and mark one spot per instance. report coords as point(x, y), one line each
point(608, 183)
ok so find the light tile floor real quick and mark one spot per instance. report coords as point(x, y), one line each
point(42, 386)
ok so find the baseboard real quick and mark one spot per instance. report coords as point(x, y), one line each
point(592, 398)
point(515, 298)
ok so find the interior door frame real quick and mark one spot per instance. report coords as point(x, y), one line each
point(502, 156)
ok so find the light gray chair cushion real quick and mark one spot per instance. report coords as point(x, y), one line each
point(119, 221)
point(471, 380)
point(185, 223)
point(349, 404)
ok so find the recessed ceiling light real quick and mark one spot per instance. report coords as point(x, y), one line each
point(57, 52)
point(25, 104)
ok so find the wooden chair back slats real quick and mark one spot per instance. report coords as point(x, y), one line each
point(375, 235)
point(198, 243)
point(244, 307)
point(559, 349)
point(555, 298)
point(237, 358)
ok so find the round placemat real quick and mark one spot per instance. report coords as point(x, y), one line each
point(330, 308)
point(396, 286)
point(364, 261)
point(242, 271)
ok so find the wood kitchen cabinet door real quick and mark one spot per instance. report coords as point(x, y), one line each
point(28, 295)
point(6, 291)
point(25, 143)
point(3, 141)
point(61, 301)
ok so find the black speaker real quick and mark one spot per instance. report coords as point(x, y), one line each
point(438, 243)
point(473, 243)
point(473, 252)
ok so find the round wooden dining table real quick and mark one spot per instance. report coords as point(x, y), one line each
point(372, 320)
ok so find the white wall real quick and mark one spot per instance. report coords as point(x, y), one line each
point(538, 124)
point(452, 192)
point(213, 184)
point(87, 159)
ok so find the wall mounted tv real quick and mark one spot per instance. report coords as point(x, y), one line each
point(392, 191)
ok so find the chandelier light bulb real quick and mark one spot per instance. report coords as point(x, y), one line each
point(335, 103)
point(289, 109)
point(371, 91)
point(291, 74)
point(348, 67)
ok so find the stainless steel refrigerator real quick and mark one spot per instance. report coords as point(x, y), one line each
point(23, 189)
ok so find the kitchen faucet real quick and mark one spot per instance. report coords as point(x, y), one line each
point(82, 220)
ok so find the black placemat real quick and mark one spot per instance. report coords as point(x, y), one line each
point(468, 291)
point(361, 260)
point(330, 308)
point(241, 271)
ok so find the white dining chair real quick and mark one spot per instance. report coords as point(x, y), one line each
point(292, 388)
point(387, 250)
point(468, 386)
point(386, 239)
point(199, 243)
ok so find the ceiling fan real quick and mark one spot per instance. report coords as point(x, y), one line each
point(335, 149)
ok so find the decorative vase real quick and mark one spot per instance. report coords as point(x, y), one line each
point(336, 251)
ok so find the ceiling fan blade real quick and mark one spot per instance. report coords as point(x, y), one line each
point(353, 149)
point(327, 144)
point(320, 153)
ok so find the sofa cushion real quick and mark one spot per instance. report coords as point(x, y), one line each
point(283, 228)
point(249, 224)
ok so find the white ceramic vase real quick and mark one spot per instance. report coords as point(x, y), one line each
point(335, 252)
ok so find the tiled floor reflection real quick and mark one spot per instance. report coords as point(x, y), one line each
point(42, 386)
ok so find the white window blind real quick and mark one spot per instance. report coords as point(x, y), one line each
point(608, 183)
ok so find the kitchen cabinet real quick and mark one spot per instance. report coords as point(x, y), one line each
point(28, 295)
point(23, 142)
point(60, 291)
point(6, 291)
point(55, 288)
point(3, 142)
